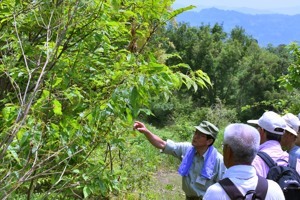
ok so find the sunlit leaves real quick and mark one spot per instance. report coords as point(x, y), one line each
point(82, 85)
point(14, 154)
point(292, 79)
point(57, 109)
point(9, 112)
point(180, 10)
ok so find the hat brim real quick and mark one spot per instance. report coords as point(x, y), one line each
point(289, 129)
point(202, 130)
point(252, 121)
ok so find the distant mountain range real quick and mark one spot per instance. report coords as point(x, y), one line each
point(267, 29)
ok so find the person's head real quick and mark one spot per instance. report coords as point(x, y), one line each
point(289, 137)
point(271, 126)
point(240, 144)
point(205, 134)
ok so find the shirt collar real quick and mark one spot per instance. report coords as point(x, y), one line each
point(240, 172)
point(269, 144)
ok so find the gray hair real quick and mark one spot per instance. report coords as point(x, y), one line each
point(244, 141)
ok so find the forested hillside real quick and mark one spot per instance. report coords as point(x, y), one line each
point(74, 75)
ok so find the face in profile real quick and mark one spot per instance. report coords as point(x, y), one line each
point(298, 139)
point(200, 139)
point(287, 140)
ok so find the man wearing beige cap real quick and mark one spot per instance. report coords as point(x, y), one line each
point(271, 127)
point(289, 137)
point(201, 164)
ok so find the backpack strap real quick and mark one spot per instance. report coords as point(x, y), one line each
point(231, 189)
point(260, 191)
point(261, 188)
point(268, 160)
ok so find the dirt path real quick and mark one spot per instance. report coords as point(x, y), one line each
point(168, 184)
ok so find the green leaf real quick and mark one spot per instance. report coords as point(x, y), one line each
point(76, 171)
point(57, 107)
point(181, 10)
point(57, 82)
point(14, 154)
point(86, 191)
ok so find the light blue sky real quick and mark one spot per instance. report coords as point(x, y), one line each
point(265, 6)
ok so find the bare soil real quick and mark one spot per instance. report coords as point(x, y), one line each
point(168, 184)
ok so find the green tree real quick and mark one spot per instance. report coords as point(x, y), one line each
point(291, 79)
point(197, 46)
point(215, 52)
point(259, 89)
point(75, 75)
point(243, 75)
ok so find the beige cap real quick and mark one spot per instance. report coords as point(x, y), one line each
point(208, 129)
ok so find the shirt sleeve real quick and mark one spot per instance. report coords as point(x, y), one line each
point(260, 166)
point(298, 165)
point(177, 149)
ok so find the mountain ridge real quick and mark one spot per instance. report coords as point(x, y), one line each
point(275, 29)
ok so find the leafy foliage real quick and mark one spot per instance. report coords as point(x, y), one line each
point(291, 79)
point(242, 74)
point(74, 74)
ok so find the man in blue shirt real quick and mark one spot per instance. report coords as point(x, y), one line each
point(289, 137)
point(201, 166)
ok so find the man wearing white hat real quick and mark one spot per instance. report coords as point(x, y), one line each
point(289, 137)
point(271, 127)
